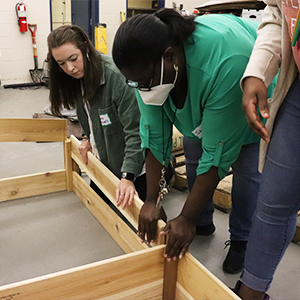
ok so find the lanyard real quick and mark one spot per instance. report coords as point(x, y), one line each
point(164, 188)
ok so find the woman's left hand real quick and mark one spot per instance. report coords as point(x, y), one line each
point(181, 233)
point(84, 148)
point(125, 193)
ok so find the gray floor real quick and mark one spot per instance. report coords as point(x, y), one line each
point(49, 233)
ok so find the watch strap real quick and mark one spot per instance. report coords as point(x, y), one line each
point(128, 176)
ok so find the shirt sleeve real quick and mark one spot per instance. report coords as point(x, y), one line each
point(223, 122)
point(266, 55)
point(156, 131)
point(129, 117)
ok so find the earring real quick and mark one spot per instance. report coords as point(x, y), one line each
point(87, 56)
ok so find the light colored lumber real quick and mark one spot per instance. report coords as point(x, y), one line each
point(180, 160)
point(200, 283)
point(32, 185)
point(178, 152)
point(149, 291)
point(108, 183)
point(112, 223)
point(222, 194)
point(225, 184)
point(105, 180)
point(94, 281)
point(182, 294)
point(180, 182)
point(181, 170)
point(222, 201)
point(32, 130)
point(68, 163)
point(137, 275)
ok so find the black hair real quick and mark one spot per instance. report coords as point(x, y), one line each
point(64, 88)
point(142, 39)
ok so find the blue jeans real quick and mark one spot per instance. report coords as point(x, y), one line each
point(275, 218)
point(246, 179)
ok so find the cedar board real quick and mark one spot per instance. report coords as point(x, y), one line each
point(138, 274)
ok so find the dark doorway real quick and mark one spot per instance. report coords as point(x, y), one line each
point(85, 13)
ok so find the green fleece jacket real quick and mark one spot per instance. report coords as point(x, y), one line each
point(115, 117)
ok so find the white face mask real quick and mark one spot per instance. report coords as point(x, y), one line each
point(158, 94)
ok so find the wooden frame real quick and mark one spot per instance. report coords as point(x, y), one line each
point(139, 273)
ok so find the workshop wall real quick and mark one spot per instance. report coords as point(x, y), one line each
point(16, 54)
point(187, 4)
point(110, 14)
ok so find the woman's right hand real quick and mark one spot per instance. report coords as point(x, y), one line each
point(84, 148)
point(256, 96)
point(148, 222)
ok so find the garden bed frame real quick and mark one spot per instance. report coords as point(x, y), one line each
point(141, 273)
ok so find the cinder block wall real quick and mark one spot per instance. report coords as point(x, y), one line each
point(16, 54)
point(110, 15)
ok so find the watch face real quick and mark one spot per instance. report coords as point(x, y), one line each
point(128, 176)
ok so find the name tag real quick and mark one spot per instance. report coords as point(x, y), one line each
point(198, 132)
point(105, 120)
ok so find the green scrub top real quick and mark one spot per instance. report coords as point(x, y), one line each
point(216, 56)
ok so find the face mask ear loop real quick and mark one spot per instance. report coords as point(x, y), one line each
point(176, 73)
point(162, 70)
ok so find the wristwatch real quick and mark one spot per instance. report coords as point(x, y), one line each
point(128, 176)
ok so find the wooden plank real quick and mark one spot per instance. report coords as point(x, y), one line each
point(32, 185)
point(181, 170)
point(180, 160)
point(182, 294)
point(68, 165)
point(178, 152)
point(200, 283)
point(32, 130)
point(180, 182)
point(112, 223)
point(149, 291)
point(132, 274)
point(93, 281)
point(108, 183)
point(222, 201)
point(170, 279)
point(222, 194)
point(105, 180)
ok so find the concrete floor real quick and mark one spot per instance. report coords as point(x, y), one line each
point(49, 233)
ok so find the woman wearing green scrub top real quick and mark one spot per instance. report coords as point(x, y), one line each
point(186, 72)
